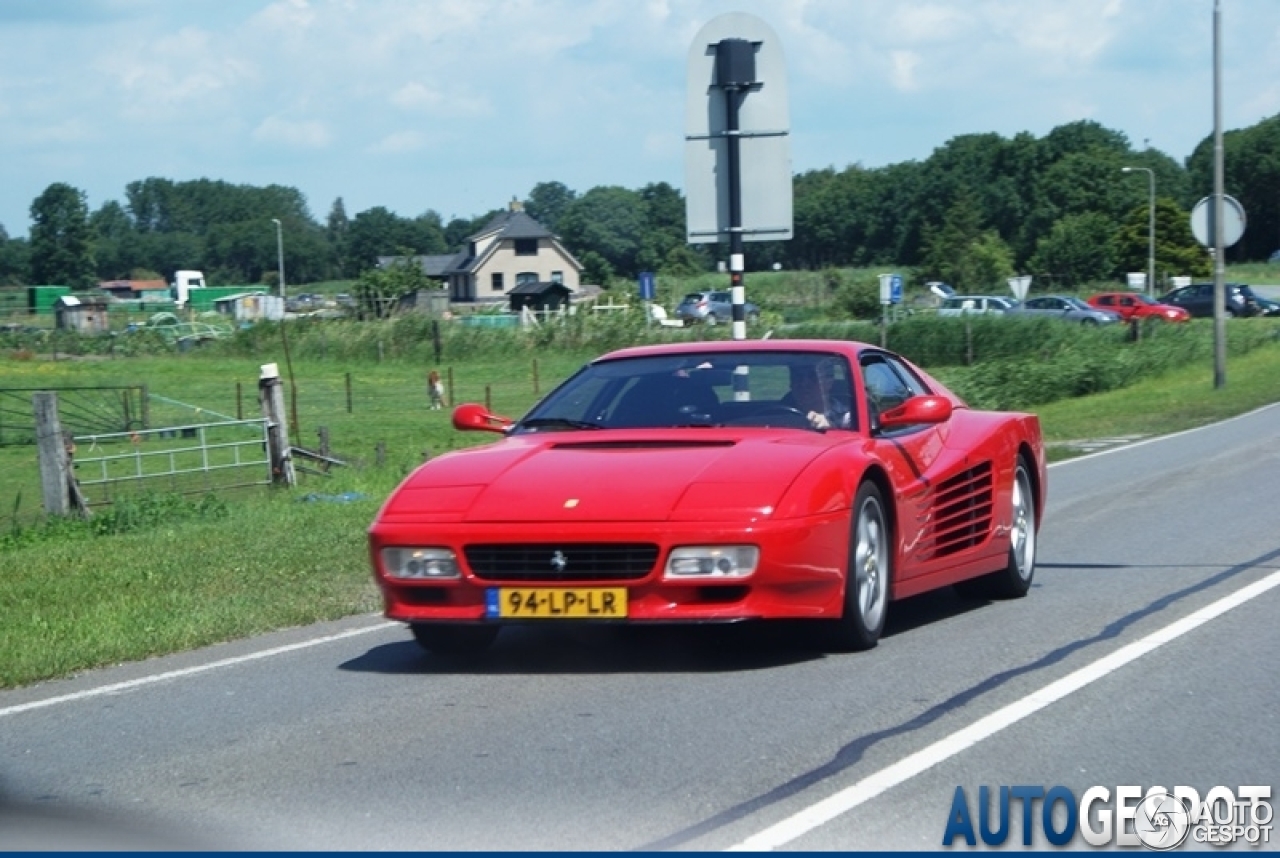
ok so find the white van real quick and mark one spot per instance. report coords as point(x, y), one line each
point(975, 305)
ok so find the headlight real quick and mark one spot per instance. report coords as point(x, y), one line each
point(712, 561)
point(419, 563)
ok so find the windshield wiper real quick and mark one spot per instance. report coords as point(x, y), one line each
point(564, 422)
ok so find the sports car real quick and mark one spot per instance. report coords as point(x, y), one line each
point(688, 484)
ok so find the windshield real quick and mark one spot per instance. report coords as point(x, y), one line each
point(694, 390)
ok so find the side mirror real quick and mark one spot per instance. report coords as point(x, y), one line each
point(472, 417)
point(917, 409)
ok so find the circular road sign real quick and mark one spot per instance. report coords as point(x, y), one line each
point(1232, 221)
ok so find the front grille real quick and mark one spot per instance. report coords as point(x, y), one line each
point(962, 510)
point(570, 561)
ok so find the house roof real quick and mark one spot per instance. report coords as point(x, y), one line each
point(539, 288)
point(507, 225)
point(504, 225)
point(512, 224)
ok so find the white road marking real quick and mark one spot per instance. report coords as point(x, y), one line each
point(116, 687)
point(847, 799)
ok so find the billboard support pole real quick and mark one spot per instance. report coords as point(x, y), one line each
point(735, 74)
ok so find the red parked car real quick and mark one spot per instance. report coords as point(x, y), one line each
point(1135, 305)
point(697, 483)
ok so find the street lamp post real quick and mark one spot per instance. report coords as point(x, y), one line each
point(280, 253)
point(1151, 225)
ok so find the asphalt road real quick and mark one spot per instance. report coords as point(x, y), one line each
point(1124, 666)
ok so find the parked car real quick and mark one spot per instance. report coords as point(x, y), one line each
point(1267, 307)
point(1197, 299)
point(678, 483)
point(968, 305)
point(712, 308)
point(1135, 305)
point(1066, 307)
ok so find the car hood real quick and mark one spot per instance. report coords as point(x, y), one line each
point(626, 477)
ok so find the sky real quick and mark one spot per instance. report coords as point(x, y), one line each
point(458, 106)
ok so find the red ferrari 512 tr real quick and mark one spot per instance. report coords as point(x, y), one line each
point(715, 482)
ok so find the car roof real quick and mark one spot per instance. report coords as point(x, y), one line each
point(848, 348)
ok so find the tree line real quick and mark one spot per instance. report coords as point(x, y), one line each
point(980, 208)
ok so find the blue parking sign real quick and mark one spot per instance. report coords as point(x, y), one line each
point(646, 286)
point(895, 289)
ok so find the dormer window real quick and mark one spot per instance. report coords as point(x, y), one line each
point(526, 247)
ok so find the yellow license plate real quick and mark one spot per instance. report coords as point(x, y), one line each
point(556, 603)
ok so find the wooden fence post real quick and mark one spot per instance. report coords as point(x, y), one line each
point(55, 465)
point(57, 482)
point(271, 397)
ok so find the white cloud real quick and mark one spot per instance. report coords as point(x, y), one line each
point(399, 142)
point(302, 134)
point(904, 64)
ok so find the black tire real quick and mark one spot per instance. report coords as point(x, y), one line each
point(444, 639)
point(1014, 580)
point(868, 574)
point(711, 319)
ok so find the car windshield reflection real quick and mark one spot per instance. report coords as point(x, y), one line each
point(696, 391)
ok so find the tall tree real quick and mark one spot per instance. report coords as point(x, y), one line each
point(15, 260)
point(117, 250)
point(946, 246)
point(664, 228)
point(1177, 251)
point(381, 232)
point(337, 228)
point(61, 238)
point(1079, 249)
point(608, 221)
point(547, 201)
point(1251, 166)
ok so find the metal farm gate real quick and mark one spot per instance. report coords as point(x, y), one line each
point(191, 459)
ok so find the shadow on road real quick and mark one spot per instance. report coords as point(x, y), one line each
point(597, 648)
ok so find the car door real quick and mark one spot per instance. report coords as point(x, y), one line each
point(911, 454)
point(1037, 307)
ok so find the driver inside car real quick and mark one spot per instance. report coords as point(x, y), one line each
point(816, 394)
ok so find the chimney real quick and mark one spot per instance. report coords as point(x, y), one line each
point(515, 205)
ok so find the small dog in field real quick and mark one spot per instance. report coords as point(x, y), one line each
point(435, 390)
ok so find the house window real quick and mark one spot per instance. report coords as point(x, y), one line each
point(526, 277)
point(495, 281)
point(557, 277)
point(526, 247)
